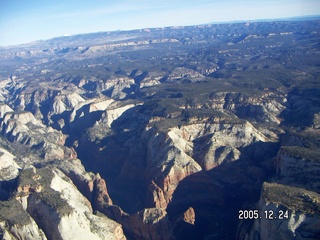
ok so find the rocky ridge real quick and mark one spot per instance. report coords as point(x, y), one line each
point(301, 207)
point(165, 138)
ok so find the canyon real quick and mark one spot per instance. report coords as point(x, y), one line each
point(165, 133)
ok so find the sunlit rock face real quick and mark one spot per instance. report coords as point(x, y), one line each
point(15, 223)
point(9, 169)
point(50, 201)
point(162, 133)
point(23, 128)
point(285, 213)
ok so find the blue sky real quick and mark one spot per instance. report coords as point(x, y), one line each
point(22, 21)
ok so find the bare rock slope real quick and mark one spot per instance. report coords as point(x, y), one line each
point(162, 134)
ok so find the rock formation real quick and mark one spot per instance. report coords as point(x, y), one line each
point(60, 209)
point(287, 212)
point(9, 169)
point(299, 166)
point(162, 134)
point(15, 223)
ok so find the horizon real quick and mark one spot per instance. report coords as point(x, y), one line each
point(294, 18)
point(35, 21)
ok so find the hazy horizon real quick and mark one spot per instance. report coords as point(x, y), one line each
point(28, 21)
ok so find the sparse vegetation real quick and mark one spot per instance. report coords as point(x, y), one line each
point(34, 178)
point(12, 212)
point(302, 153)
point(297, 199)
point(263, 75)
point(53, 199)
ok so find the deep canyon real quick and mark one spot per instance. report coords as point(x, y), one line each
point(165, 133)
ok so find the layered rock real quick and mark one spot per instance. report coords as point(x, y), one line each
point(85, 114)
point(213, 143)
point(101, 195)
point(45, 101)
point(23, 128)
point(118, 85)
point(9, 169)
point(294, 213)
point(3, 91)
point(31, 99)
point(64, 101)
point(182, 72)
point(76, 172)
point(189, 216)
point(150, 79)
point(299, 166)
point(18, 126)
point(115, 86)
point(149, 223)
point(216, 102)
point(303, 107)
point(263, 108)
point(170, 159)
point(59, 209)
point(167, 165)
point(15, 223)
point(4, 108)
point(23, 117)
point(215, 197)
point(114, 111)
point(92, 186)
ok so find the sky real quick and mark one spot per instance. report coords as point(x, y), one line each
point(23, 21)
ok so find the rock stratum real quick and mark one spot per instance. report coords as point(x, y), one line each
point(203, 132)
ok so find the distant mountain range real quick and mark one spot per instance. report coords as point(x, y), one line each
point(97, 34)
point(297, 18)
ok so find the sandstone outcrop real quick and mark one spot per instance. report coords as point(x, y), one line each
point(101, 195)
point(167, 165)
point(182, 72)
point(149, 79)
point(171, 156)
point(115, 110)
point(303, 108)
point(294, 211)
point(262, 108)
point(150, 223)
point(162, 133)
point(23, 128)
point(4, 108)
point(64, 101)
point(92, 186)
point(211, 144)
point(9, 169)
point(189, 216)
point(299, 166)
point(59, 209)
point(15, 223)
point(85, 114)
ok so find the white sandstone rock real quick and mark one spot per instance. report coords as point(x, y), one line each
point(113, 112)
point(9, 169)
point(78, 222)
point(4, 108)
